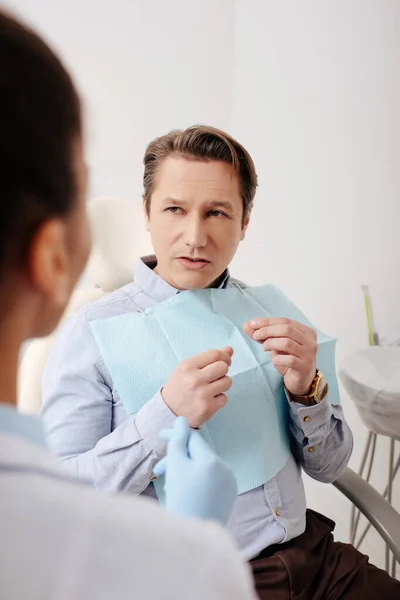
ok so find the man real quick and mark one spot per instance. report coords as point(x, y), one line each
point(199, 187)
point(59, 538)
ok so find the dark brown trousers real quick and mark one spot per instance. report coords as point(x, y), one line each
point(315, 567)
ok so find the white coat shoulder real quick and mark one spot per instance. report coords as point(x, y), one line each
point(63, 540)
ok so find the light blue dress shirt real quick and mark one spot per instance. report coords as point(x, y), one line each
point(88, 428)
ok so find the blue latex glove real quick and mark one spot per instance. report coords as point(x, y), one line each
point(197, 482)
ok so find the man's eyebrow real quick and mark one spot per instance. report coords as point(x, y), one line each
point(174, 201)
point(210, 204)
point(220, 204)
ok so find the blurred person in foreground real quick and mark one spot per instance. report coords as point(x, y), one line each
point(60, 538)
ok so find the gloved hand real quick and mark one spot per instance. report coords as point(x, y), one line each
point(197, 482)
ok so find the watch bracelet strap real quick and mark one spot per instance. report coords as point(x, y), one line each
point(308, 399)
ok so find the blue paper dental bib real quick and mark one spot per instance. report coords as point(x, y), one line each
point(141, 350)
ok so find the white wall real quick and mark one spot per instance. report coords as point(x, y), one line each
point(311, 88)
point(143, 68)
point(316, 99)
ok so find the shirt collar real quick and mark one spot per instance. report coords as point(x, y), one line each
point(24, 426)
point(156, 286)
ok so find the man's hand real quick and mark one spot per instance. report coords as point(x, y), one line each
point(196, 389)
point(293, 348)
point(197, 482)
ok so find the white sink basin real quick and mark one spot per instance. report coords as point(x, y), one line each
point(372, 379)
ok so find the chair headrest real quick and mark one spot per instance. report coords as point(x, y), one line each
point(119, 240)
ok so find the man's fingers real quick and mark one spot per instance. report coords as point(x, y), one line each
point(288, 361)
point(226, 355)
point(220, 386)
point(266, 322)
point(279, 331)
point(214, 371)
point(160, 467)
point(228, 350)
point(248, 329)
point(220, 401)
point(284, 345)
point(210, 356)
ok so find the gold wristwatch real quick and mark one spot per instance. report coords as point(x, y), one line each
point(318, 391)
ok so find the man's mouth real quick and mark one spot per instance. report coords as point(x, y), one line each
point(193, 264)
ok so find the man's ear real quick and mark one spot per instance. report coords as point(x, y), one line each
point(244, 228)
point(146, 214)
point(49, 262)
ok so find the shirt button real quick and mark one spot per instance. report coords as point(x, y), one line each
point(153, 478)
point(311, 449)
point(307, 419)
point(278, 514)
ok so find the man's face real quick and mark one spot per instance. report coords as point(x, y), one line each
point(195, 221)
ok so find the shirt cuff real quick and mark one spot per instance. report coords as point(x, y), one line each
point(309, 419)
point(151, 418)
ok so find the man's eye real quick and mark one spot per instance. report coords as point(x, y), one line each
point(216, 213)
point(174, 209)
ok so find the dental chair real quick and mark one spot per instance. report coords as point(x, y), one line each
point(119, 238)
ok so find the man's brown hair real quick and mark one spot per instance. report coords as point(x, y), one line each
point(203, 143)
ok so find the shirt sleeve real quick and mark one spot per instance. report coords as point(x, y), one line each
point(78, 409)
point(322, 441)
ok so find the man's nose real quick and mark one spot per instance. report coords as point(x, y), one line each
point(195, 232)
